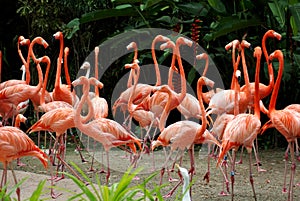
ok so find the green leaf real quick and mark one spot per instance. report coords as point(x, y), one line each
point(72, 28)
point(217, 5)
point(295, 18)
point(123, 6)
point(151, 3)
point(38, 191)
point(107, 13)
point(278, 10)
point(230, 24)
point(194, 8)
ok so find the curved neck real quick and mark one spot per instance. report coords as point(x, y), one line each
point(96, 72)
point(266, 55)
point(235, 67)
point(85, 97)
point(256, 93)
point(245, 71)
point(206, 67)
point(59, 59)
point(40, 75)
point(23, 61)
point(277, 84)
point(156, 67)
point(172, 69)
point(42, 97)
point(202, 109)
point(182, 75)
point(68, 79)
point(136, 74)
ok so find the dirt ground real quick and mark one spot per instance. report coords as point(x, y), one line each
point(268, 185)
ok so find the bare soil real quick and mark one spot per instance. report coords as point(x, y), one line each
point(268, 185)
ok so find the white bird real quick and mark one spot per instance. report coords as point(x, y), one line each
point(186, 183)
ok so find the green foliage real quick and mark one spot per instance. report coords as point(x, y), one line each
point(6, 196)
point(123, 190)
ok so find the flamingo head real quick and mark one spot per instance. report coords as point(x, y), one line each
point(58, 35)
point(131, 45)
point(168, 44)
point(21, 118)
point(41, 41)
point(257, 52)
point(22, 68)
point(95, 82)
point(97, 50)
point(202, 56)
point(273, 34)
point(155, 143)
point(182, 40)
point(132, 65)
point(276, 54)
point(66, 51)
point(80, 80)
point(85, 65)
point(161, 38)
point(245, 43)
point(232, 44)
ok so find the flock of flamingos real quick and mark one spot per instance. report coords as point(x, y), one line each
point(237, 109)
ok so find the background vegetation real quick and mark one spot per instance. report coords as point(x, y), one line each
point(213, 23)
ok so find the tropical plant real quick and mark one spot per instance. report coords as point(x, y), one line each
point(119, 191)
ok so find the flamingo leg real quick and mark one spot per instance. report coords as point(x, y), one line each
point(108, 169)
point(232, 173)
point(207, 174)
point(77, 147)
point(286, 156)
point(224, 172)
point(241, 157)
point(251, 176)
point(18, 191)
point(4, 176)
point(257, 159)
point(293, 170)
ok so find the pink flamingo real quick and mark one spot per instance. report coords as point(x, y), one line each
point(264, 90)
point(242, 130)
point(184, 134)
point(286, 121)
point(61, 92)
point(108, 132)
point(16, 144)
point(142, 90)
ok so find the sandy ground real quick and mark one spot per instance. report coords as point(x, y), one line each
point(268, 185)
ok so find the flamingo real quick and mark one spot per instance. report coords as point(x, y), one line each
point(242, 130)
point(99, 104)
point(175, 99)
point(43, 94)
point(14, 143)
point(61, 92)
point(106, 131)
point(11, 96)
point(142, 90)
point(184, 134)
point(23, 41)
point(264, 90)
point(223, 101)
point(286, 121)
point(57, 120)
